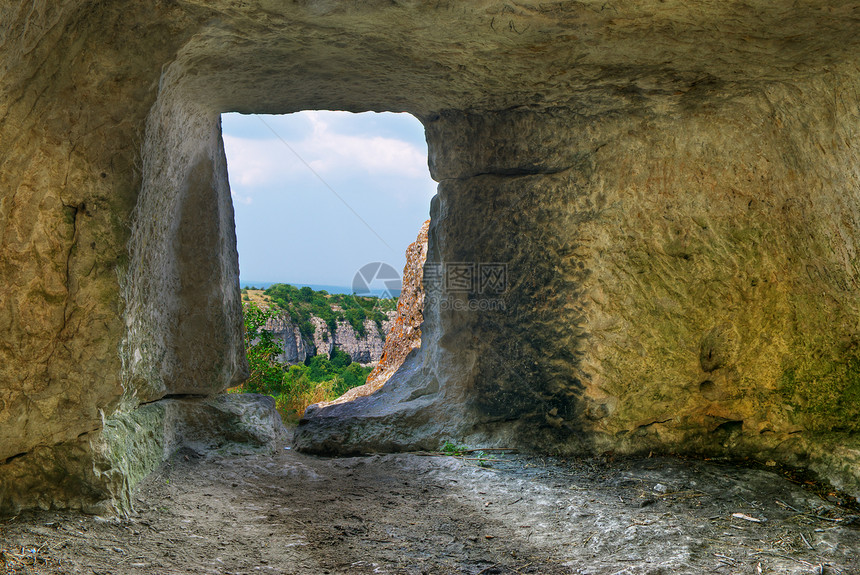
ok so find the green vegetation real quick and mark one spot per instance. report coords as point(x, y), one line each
point(826, 391)
point(452, 449)
point(302, 303)
point(294, 387)
point(261, 348)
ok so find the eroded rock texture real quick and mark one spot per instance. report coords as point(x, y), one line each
point(404, 334)
point(366, 349)
point(672, 187)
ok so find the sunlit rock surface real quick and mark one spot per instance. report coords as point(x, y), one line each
point(404, 333)
point(672, 187)
point(366, 349)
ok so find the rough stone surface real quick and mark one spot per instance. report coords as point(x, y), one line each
point(365, 349)
point(323, 341)
point(672, 186)
point(635, 319)
point(404, 331)
point(96, 473)
point(183, 310)
point(295, 514)
point(296, 348)
point(74, 95)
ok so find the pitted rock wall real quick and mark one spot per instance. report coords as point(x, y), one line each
point(183, 313)
point(667, 289)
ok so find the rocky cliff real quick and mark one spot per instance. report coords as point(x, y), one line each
point(366, 349)
point(404, 334)
point(296, 348)
point(405, 331)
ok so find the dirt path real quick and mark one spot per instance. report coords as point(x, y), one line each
point(413, 514)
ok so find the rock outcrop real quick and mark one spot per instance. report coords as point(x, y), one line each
point(671, 189)
point(296, 347)
point(131, 445)
point(366, 349)
point(404, 333)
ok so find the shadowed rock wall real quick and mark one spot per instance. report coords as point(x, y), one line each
point(672, 187)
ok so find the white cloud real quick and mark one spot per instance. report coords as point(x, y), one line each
point(374, 155)
point(260, 162)
point(252, 162)
point(241, 199)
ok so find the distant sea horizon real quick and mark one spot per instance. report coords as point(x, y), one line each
point(332, 289)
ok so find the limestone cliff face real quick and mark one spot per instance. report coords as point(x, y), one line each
point(672, 188)
point(366, 349)
point(296, 348)
point(404, 333)
point(322, 340)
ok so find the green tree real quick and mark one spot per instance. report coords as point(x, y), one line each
point(296, 381)
point(356, 317)
point(320, 369)
point(306, 294)
point(352, 375)
point(340, 359)
point(261, 348)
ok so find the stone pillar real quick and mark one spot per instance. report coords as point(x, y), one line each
point(67, 187)
point(184, 315)
point(120, 288)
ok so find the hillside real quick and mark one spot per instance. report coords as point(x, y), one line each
point(308, 323)
point(305, 346)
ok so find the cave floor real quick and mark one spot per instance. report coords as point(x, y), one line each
point(412, 513)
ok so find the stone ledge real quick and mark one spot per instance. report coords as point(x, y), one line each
point(108, 464)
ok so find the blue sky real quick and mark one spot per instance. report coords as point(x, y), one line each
point(290, 224)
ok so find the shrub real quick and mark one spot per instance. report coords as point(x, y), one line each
point(320, 368)
point(306, 294)
point(321, 378)
point(340, 359)
point(261, 348)
point(353, 375)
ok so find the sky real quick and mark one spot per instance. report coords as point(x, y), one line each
point(318, 195)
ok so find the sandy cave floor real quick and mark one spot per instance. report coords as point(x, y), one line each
point(412, 514)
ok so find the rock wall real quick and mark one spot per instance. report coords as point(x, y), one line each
point(404, 333)
point(666, 290)
point(671, 187)
point(68, 184)
point(296, 348)
point(366, 349)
